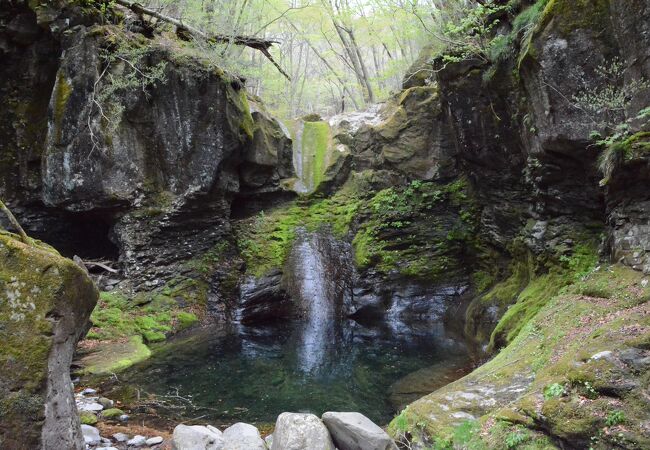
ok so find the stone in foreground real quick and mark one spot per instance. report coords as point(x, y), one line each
point(45, 303)
point(354, 431)
point(295, 431)
point(242, 436)
point(197, 437)
point(90, 435)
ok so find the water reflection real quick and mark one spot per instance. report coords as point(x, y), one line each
point(255, 373)
point(323, 361)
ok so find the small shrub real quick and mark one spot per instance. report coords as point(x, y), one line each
point(516, 438)
point(615, 417)
point(554, 390)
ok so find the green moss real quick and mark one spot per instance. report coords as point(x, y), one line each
point(186, 320)
point(423, 230)
point(62, 91)
point(316, 142)
point(36, 284)
point(112, 413)
point(540, 290)
point(87, 418)
point(571, 15)
point(553, 349)
point(150, 315)
point(265, 240)
point(116, 356)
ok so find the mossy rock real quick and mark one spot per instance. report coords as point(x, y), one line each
point(87, 418)
point(113, 357)
point(45, 302)
point(509, 396)
point(112, 413)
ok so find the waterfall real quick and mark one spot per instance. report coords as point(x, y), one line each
point(300, 186)
point(318, 280)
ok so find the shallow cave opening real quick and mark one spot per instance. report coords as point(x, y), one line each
point(86, 235)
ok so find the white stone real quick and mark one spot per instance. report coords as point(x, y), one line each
point(196, 437)
point(136, 441)
point(90, 434)
point(242, 436)
point(607, 355)
point(294, 431)
point(88, 391)
point(215, 430)
point(354, 431)
point(154, 440)
point(89, 406)
point(121, 437)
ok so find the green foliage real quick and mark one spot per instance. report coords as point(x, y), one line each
point(471, 33)
point(504, 46)
point(517, 437)
point(127, 66)
point(554, 390)
point(465, 432)
point(615, 417)
point(406, 230)
point(606, 103)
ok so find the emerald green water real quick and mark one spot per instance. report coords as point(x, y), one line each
point(254, 374)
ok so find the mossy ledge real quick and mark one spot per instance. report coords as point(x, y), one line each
point(559, 379)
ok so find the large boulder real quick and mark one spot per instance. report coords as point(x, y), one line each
point(243, 436)
point(45, 303)
point(295, 431)
point(354, 431)
point(197, 437)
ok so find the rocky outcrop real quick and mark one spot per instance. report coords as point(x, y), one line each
point(45, 303)
point(125, 114)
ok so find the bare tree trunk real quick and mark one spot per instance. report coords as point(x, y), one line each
point(362, 64)
point(329, 66)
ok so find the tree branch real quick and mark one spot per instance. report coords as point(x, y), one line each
point(256, 43)
point(14, 223)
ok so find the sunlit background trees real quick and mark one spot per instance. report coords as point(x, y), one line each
point(339, 54)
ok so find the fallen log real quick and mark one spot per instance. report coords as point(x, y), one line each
point(256, 43)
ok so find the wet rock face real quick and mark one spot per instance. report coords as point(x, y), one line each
point(29, 61)
point(45, 303)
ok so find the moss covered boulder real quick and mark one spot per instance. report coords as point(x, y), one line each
point(45, 302)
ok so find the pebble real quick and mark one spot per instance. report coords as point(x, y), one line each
point(121, 437)
point(90, 434)
point(137, 441)
point(106, 403)
point(89, 406)
point(124, 417)
point(154, 440)
point(88, 391)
